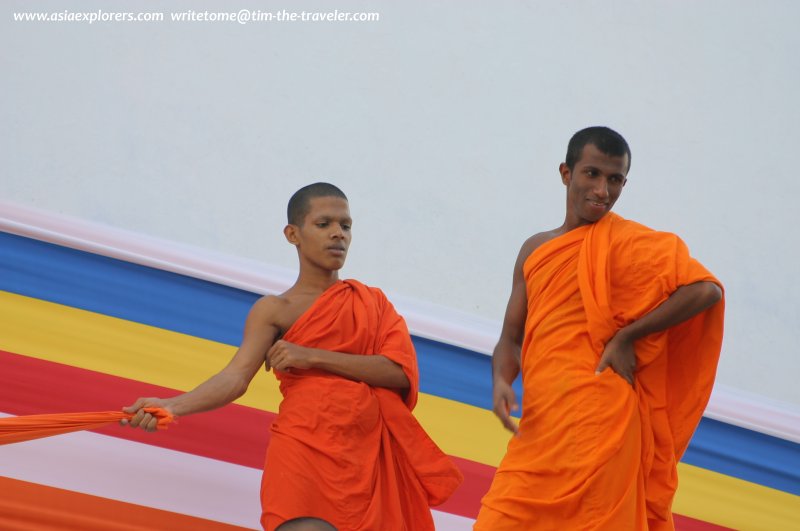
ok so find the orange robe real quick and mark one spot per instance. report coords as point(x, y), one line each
point(344, 451)
point(30, 427)
point(592, 451)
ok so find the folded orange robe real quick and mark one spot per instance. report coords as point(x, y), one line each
point(343, 451)
point(29, 427)
point(594, 452)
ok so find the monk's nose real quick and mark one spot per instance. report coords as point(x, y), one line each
point(601, 190)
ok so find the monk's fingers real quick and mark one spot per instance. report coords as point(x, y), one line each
point(280, 366)
point(501, 410)
point(603, 365)
point(143, 420)
point(150, 424)
point(282, 361)
point(140, 419)
point(628, 376)
point(276, 353)
point(276, 347)
point(510, 425)
point(136, 406)
point(624, 370)
point(136, 419)
point(506, 397)
point(512, 403)
point(277, 361)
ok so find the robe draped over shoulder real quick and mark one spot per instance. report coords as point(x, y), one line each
point(594, 452)
point(341, 450)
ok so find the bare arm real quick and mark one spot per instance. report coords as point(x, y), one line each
point(506, 355)
point(228, 384)
point(377, 370)
point(684, 303)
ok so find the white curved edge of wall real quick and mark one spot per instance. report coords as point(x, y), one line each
point(424, 319)
point(431, 321)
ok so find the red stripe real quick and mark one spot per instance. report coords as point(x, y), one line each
point(466, 500)
point(28, 386)
point(236, 434)
point(684, 523)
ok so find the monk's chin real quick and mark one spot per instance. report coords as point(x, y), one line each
point(336, 265)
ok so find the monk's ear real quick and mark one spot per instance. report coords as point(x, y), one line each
point(290, 231)
point(564, 170)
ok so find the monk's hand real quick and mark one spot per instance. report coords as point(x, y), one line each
point(284, 356)
point(141, 418)
point(505, 401)
point(620, 355)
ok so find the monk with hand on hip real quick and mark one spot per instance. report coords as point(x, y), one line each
point(616, 331)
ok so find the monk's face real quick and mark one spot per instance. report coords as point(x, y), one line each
point(324, 237)
point(593, 185)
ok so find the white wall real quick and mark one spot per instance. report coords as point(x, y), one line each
point(444, 122)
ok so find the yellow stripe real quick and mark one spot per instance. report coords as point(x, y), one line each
point(122, 348)
point(97, 342)
point(731, 502)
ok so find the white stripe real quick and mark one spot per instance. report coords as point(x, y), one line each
point(754, 412)
point(451, 522)
point(750, 411)
point(155, 477)
point(138, 473)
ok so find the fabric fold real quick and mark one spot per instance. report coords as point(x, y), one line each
point(356, 452)
point(594, 452)
point(29, 427)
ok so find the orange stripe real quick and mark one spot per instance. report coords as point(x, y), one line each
point(34, 507)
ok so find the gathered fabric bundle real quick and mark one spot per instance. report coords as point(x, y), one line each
point(29, 427)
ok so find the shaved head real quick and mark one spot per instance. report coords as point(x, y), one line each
point(300, 203)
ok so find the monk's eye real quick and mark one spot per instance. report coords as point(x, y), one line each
point(322, 224)
point(345, 227)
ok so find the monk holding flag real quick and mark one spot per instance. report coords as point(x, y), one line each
point(617, 333)
point(345, 453)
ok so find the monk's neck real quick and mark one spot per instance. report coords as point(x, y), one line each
point(573, 222)
point(570, 225)
point(316, 280)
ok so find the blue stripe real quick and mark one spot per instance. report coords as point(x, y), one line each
point(203, 309)
point(456, 373)
point(195, 307)
point(745, 454)
point(121, 289)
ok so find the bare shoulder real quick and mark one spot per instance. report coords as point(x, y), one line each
point(534, 242)
point(267, 308)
